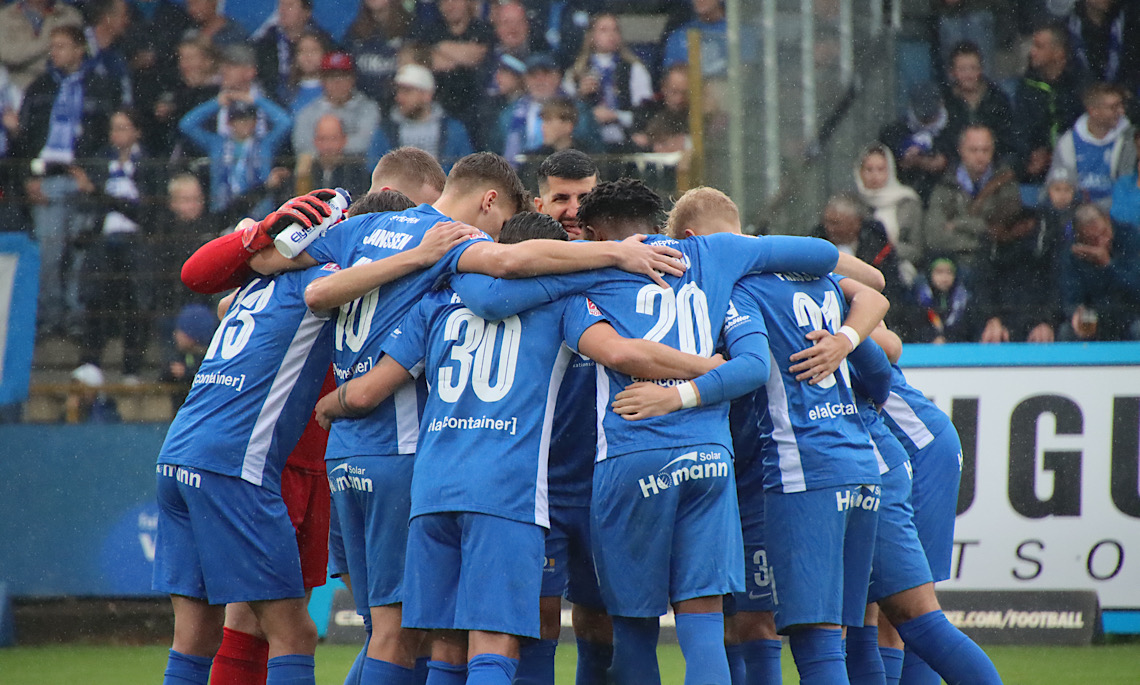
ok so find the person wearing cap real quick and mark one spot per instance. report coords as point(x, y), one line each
point(275, 44)
point(359, 114)
point(86, 402)
point(193, 328)
point(1098, 149)
point(922, 141)
point(418, 121)
point(520, 126)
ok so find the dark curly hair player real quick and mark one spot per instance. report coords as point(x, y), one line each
point(618, 209)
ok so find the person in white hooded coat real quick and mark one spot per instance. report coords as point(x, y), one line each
point(896, 206)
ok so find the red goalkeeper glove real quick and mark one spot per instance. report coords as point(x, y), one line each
point(306, 210)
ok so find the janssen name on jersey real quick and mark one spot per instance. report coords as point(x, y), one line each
point(364, 324)
point(258, 383)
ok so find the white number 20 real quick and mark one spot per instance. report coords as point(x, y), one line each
point(475, 353)
point(688, 308)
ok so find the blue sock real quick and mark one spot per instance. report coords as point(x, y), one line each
point(491, 669)
point(377, 672)
point(291, 669)
point(443, 673)
point(949, 652)
point(735, 656)
point(594, 659)
point(819, 656)
point(864, 664)
point(421, 671)
point(186, 669)
point(892, 664)
point(635, 651)
point(762, 662)
point(536, 663)
point(915, 671)
point(353, 677)
point(701, 637)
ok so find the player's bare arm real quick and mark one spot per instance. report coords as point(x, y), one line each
point(642, 358)
point(356, 281)
point(853, 267)
point(645, 400)
point(867, 309)
point(889, 341)
point(362, 394)
point(540, 257)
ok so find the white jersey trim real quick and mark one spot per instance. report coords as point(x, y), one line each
point(407, 407)
point(261, 438)
point(542, 484)
point(907, 420)
point(791, 462)
point(602, 394)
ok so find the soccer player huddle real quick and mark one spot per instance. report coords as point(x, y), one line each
point(562, 403)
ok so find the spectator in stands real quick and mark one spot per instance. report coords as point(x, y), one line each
point(456, 46)
point(922, 142)
point(197, 83)
point(63, 119)
point(181, 227)
point(973, 98)
point(238, 71)
point(107, 22)
point(610, 80)
point(1015, 285)
point(1047, 102)
point(1129, 74)
point(417, 121)
point(118, 187)
point(86, 401)
point(276, 45)
point(943, 302)
point(1059, 203)
point(1100, 279)
point(193, 329)
point(672, 105)
point(562, 25)
point(1097, 36)
point(374, 39)
point(25, 35)
point(1126, 191)
point(331, 168)
point(559, 119)
point(1099, 148)
point(359, 114)
point(508, 88)
point(964, 20)
point(155, 26)
point(512, 32)
point(241, 161)
point(895, 206)
point(520, 127)
point(305, 79)
point(714, 46)
point(214, 27)
point(970, 199)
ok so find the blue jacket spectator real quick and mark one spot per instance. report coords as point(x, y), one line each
point(714, 43)
point(520, 125)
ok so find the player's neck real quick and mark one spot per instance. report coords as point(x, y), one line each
point(458, 207)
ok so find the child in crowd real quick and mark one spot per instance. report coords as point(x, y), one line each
point(1060, 202)
point(306, 81)
point(192, 332)
point(944, 300)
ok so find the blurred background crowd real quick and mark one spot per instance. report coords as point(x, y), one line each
point(996, 187)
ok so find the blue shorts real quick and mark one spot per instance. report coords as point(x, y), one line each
point(665, 528)
point(338, 565)
point(372, 497)
point(899, 562)
point(820, 544)
point(569, 567)
point(222, 539)
point(468, 571)
point(757, 593)
point(934, 496)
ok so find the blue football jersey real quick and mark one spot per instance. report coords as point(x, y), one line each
point(811, 436)
point(364, 324)
point(689, 316)
point(888, 452)
point(573, 441)
point(257, 385)
point(913, 418)
point(486, 431)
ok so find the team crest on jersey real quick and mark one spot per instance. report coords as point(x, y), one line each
point(330, 267)
point(592, 308)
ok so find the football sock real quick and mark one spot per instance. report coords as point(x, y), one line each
point(594, 659)
point(291, 669)
point(949, 652)
point(819, 656)
point(186, 669)
point(491, 669)
point(892, 664)
point(735, 663)
point(421, 671)
point(915, 671)
point(353, 677)
point(377, 672)
point(762, 662)
point(443, 673)
point(240, 660)
point(536, 663)
point(864, 664)
point(701, 637)
point(635, 651)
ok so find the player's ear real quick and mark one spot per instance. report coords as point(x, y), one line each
point(489, 198)
point(689, 233)
point(538, 204)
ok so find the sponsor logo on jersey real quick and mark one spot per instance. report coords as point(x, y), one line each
point(361, 367)
point(389, 240)
point(691, 466)
point(663, 382)
point(592, 308)
point(330, 267)
point(865, 497)
point(734, 318)
point(346, 477)
point(832, 410)
point(235, 382)
point(181, 474)
point(405, 219)
point(475, 423)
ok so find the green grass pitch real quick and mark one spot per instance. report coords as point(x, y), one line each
point(115, 665)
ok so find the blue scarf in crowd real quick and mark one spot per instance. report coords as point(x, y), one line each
point(968, 184)
point(66, 118)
